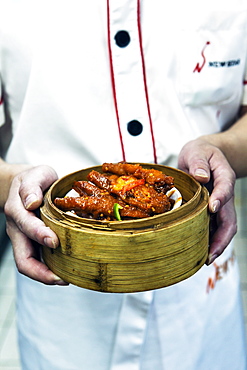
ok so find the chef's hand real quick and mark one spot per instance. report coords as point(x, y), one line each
point(27, 231)
point(206, 163)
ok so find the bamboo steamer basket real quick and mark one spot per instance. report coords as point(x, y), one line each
point(133, 255)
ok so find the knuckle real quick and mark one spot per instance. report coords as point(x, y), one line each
point(8, 231)
point(233, 176)
point(7, 209)
point(235, 228)
point(37, 235)
point(20, 267)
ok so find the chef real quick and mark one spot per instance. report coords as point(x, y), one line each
point(87, 82)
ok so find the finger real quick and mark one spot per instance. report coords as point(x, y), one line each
point(206, 162)
point(193, 159)
point(27, 223)
point(223, 178)
point(34, 183)
point(227, 228)
point(27, 260)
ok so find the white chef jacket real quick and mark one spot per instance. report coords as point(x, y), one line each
point(87, 82)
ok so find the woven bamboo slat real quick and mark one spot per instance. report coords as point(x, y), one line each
point(129, 256)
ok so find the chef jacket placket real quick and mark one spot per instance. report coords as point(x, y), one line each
point(129, 85)
point(130, 335)
point(136, 134)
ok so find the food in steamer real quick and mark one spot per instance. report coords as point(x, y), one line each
point(123, 191)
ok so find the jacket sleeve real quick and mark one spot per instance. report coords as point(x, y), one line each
point(244, 100)
point(2, 118)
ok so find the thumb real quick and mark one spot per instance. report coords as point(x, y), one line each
point(33, 183)
point(200, 170)
point(194, 159)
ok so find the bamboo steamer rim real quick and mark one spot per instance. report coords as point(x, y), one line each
point(63, 185)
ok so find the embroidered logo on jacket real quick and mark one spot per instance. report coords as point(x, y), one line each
point(214, 64)
point(199, 66)
point(228, 63)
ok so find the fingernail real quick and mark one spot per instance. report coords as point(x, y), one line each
point(211, 258)
point(30, 199)
point(201, 173)
point(49, 242)
point(215, 206)
point(59, 281)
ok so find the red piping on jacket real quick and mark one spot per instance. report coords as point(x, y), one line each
point(113, 80)
point(144, 79)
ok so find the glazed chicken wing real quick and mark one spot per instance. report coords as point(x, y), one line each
point(151, 176)
point(148, 199)
point(87, 188)
point(113, 183)
point(98, 207)
point(132, 191)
